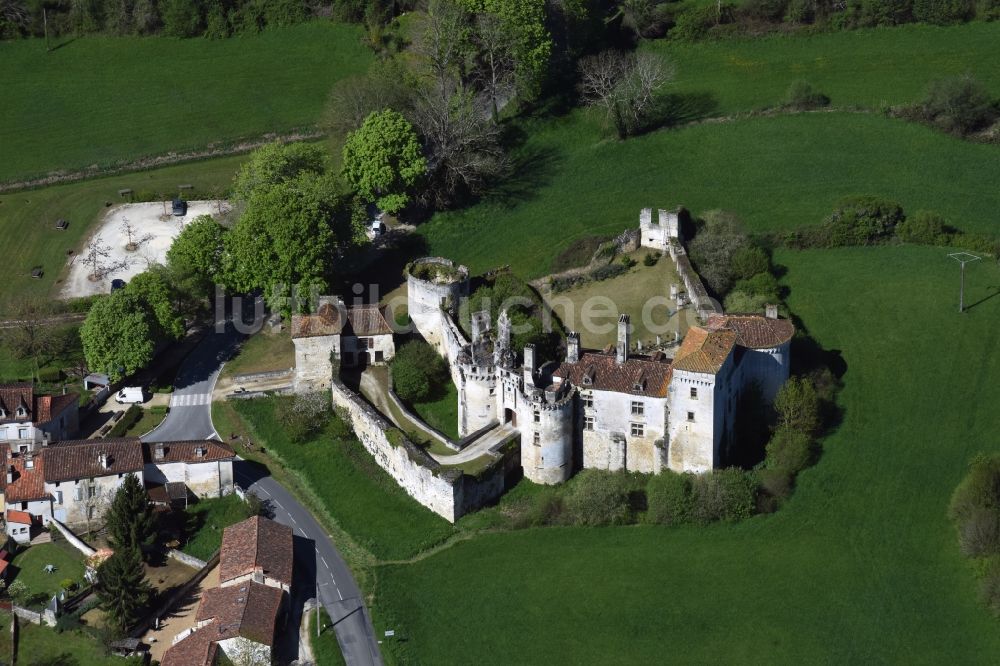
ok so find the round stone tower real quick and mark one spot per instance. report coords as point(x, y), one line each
point(546, 424)
point(433, 284)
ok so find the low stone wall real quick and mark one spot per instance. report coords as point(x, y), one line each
point(179, 594)
point(625, 242)
point(692, 284)
point(262, 376)
point(446, 492)
point(186, 559)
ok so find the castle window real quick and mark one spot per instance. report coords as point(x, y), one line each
point(538, 439)
point(638, 408)
point(694, 393)
point(691, 416)
point(538, 418)
point(638, 430)
point(588, 400)
point(588, 422)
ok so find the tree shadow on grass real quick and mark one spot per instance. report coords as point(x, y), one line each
point(675, 109)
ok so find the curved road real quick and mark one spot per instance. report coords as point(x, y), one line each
point(190, 418)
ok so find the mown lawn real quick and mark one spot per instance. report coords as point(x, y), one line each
point(27, 218)
point(442, 413)
point(869, 68)
point(364, 500)
point(205, 521)
point(263, 352)
point(38, 644)
point(776, 173)
point(861, 566)
point(103, 100)
point(30, 567)
point(325, 647)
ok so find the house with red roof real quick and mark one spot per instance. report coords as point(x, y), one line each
point(27, 416)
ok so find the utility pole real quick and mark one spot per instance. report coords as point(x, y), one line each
point(963, 258)
point(45, 27)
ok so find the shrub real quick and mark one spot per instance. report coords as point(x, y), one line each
point(769, 11)
point(942, 12)
point(989, 588)
point(797, 405)
point(50, 375)
point(128, 419)
point(925, 226)
point(801, 95)
point(723, 495)
point(988, 10)
point(862, 220)
point(67, 584)
point(869, 13)
point(628, 262)
point(418, 372)
point(669, 497)
point(608, 272)
point(742, 301)
point(764, 285)
point(800, 11)
point(774, 483)
point(750, 260)
point(651, 259)
point(694, 23)
point(566, 283)
point(979, 533)
point(714, 246)
point(600, 498)
point(957, 104)
point(975, 507)
point(789, 451)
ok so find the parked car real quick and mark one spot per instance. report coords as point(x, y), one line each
point(130, 394)
point(378, 228)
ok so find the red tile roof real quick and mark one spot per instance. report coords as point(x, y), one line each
point(754, 331)
point(368, 320)
point(249, 610)
point(601, 371)
point(187, 451)
point(256, 544)
point(40, 408)
point(19, 517)
point(326, 321)
point(80, 459)
point(704, 351)
point(196, 649)
point(28, 484)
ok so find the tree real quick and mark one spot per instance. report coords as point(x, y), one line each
point(95, 254)
point(130, 518)
point(120, 334)
point(122, 587)
point(790, 451)
point(289, 236)
point(715, 245)
point(276, 163)
point(958, 104)
point(181, 18)
point(304, 415)
point(496, 65)
point(443, 44)
point(195, 257)
point(418, 372)
point(32, 337)
point(383, 160)
point(155, 289)
point(625, 86)
point(354, 98)
point(797, 405)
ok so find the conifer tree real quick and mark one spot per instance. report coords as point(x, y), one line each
point(122, 586)
point(130, 519)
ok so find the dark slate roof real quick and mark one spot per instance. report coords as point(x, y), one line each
point(639, 375)
point(256, 543)
point(80, 459)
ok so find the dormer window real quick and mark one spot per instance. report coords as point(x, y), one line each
point(3, 413)
point(21, 412)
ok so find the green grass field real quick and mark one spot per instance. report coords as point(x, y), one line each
point(102, 100)
point(441, 414)
point(776, 173)
point(206, 520)
point(27, 218)
point(861, 566)
point(868, 68)
point(42, 645)
point(31, 563)
point(363, 499)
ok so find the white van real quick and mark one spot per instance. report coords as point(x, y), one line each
point(128, 394)
point(378, 228)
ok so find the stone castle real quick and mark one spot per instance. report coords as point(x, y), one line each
point(613, 409)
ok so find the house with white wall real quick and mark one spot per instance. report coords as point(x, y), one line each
point(29, 416)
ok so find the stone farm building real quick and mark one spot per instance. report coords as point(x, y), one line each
point(29, 416)
point(74, 481)
point(241, 617)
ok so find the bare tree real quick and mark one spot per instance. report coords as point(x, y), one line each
point(29, 334)
point(96, 253)
point(496, 63)
point(352, 99)
point(131, 234)
point(463, 146)
point(625, 86)
point(443, 43)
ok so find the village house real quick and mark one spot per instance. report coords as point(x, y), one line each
point(241, 617)
point(74, 481)
point(27, 416)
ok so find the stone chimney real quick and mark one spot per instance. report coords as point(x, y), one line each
point(480, 326)
point(572, 347)
point(529, 367)
point(158, 451)
point(10, 474)
point(771, 311)
point(502, 344)
point(623, 339)
point(102, 459)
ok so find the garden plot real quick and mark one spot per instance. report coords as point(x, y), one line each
point(130, 239)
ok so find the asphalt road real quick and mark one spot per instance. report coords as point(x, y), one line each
point(190, 418)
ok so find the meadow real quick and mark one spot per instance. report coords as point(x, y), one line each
point(27, 218)
point(104, 100)
point(869, 68)
point(861, 565)
point(776, 173)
